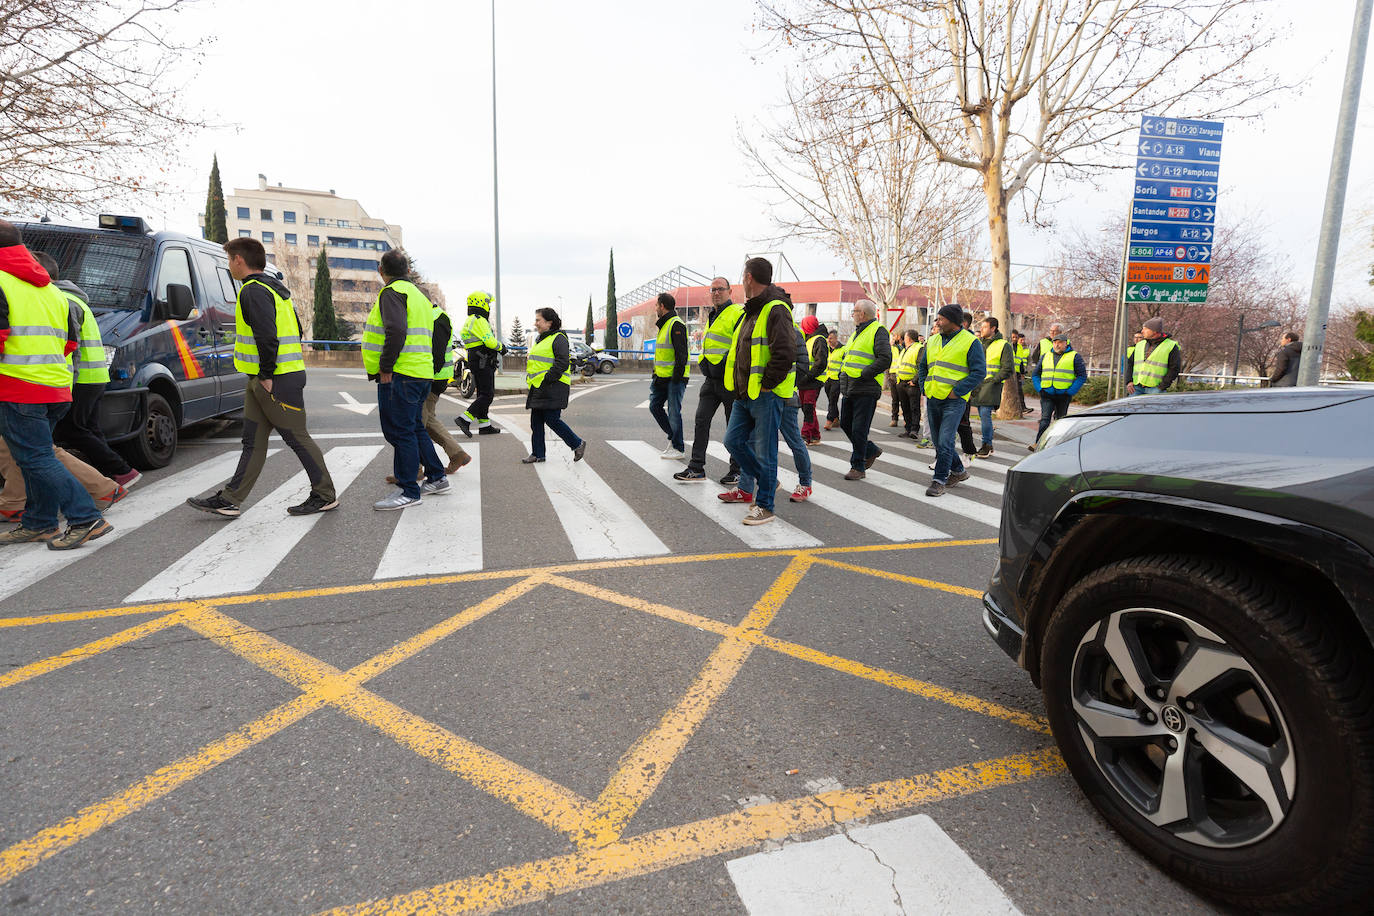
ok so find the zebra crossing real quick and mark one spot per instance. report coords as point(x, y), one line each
point(621, 502)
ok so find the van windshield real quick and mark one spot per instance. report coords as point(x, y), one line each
point(111, 268)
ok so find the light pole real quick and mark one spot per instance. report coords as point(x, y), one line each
point(1240, 335)
point(495, 186)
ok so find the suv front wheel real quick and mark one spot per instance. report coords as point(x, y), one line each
point(1222, 723)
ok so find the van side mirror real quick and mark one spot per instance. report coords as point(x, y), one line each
point(181, 302)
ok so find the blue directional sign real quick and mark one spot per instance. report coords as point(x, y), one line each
point(1178, 164)
point(625, 329)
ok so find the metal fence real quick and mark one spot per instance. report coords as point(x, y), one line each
point(1223, 380)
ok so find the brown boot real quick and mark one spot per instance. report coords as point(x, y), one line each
point(462, 459)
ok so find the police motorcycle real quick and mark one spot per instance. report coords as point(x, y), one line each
point(462, 374)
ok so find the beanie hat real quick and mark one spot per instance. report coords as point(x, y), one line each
point(809, 324)
point(952, 313)
point(1155, 324)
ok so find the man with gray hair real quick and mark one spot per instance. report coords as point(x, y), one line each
point(866, 359)
point(1046, 344)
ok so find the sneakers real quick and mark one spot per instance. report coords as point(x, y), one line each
point(111, 498)
point(463, 460)
point(984, 452)
point(464, 425)
point(531, 459)
point(313, 503)
point(958, 478)
point(397, 500)
point(830, 424)
point(801, 494)
point(76, 535)
point(730, 480)
point(758, 516)
point(436, 487)
point(931, 465)
point(855, 474)
point(215, 505)
point(22, 535)
point(129, 479)
point(892, 424)
point(488, 430)
point(580, 451)
point(673, 454)
point(735, 496)
point(868, 462)
point(935, 489)
point(923, 442)
point(689, 476)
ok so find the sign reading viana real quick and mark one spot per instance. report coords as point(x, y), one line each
point(1173, 210)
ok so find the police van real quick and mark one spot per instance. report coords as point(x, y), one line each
point(165, 305)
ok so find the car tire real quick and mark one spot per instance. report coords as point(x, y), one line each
point(1291, 709)
point(156, 441)
point(605, 367)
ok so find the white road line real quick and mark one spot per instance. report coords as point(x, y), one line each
point(444, 533)
point(904, 866)
point(701, 496)
point(599, 524)
point(28, 564)
point(988, 515)
point(994, 465)
point(884, 522)
point(244, 551)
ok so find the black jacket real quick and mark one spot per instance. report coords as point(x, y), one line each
point(1286, 368)
point(811, 380)
point(869, 383)
point(443, 337)
point(678, 338)
point(260, 314)
point(553, 394)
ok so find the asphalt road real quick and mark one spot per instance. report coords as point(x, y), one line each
point(572, 688)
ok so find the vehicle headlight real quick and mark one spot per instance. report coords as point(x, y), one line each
point(1066, 428)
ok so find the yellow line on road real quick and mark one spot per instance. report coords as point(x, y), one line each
point(643, 767)
point(80, 653)
point(535, 881)
point(898, 577)
point(69, 617)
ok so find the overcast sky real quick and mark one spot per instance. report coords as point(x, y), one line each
point(618, 127)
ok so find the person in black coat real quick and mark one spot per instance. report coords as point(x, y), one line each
point(548, 393)
point(1286, 367)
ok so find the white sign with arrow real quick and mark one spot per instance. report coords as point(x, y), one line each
point(352, 404)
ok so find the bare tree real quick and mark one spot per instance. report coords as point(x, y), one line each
point(957, 264)
point(1016, 90)
point(297, 266)
point(87, 101)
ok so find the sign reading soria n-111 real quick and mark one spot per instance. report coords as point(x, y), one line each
point(1173, 210)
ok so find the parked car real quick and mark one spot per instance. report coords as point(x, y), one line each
point(599, 360)
point(1189, 579)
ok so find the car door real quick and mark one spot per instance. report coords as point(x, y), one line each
point(221, 293)
point(188, 350)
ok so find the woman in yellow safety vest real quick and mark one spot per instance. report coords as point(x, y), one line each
point(548, 374)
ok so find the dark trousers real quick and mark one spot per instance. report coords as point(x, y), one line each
point(80, 430)
point(892, 384)
point(262, 414)
point(966, 432)
point(908, 398)
point(856, 419)
point(553, 419)
point(665, 405)
point(1052, 407)
point(832, 399)
point(485, 381)
point(712, 396)
point(402, 403)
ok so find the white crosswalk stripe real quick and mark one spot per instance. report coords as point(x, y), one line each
point(776, 534)
point(974, 482)
point(28, 564)
point(444, 533)
point(883, 522)
point(245, 550)
point(994, 465)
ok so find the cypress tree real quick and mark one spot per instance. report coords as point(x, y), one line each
point(591, 323)
point(216, 226)
point(612, 338)
point(326, 320)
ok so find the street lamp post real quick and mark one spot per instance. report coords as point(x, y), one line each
point(495, 187)
point(1240, 335)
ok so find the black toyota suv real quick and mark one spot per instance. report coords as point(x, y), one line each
point(1189, 579)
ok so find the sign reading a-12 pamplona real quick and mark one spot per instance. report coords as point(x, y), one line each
point(1173, 210)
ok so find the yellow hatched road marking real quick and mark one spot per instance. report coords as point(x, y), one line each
point(671, 846)
point(898, 577)
point(81, 653)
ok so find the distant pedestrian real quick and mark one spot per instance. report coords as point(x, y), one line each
point(908, 392)
point(1045, 345)
point(483, 349)
point(713, 395)
point(1154, 363)
point(866, 359)
point(810, 383)
point(832, 379)
point(669, 381)
point(760, 370)
point(442, 349)
point(548, 375)
point(1285, 373)
point(1000, 360)
point(267, 348)
point(398, 353)
point(896, 344)
point(1057, 377)
point(950, 368)
point(39, 330)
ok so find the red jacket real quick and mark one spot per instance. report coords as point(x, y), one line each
point(16, 261)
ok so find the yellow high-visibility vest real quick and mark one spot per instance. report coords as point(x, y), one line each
point(417, 352)
point(289, 355)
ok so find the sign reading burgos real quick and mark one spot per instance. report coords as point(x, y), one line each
point(1173, 211)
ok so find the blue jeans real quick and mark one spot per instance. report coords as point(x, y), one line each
point(985, 414)
point(27, 430)
point(402, 407)
point(1141, 389)
point(791, 434)
point(669, 392)
point(752, 440)
point(553, 419)
point(943, 416)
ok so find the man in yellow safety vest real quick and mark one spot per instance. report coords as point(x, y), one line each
point(715, 346)
point(1058, 376)
point(669, 382)
point(950, 368)
point(1153, 364)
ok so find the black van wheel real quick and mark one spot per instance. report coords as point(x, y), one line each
point(156, 443)
point(1220, 721)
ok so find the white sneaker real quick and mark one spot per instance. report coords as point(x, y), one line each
point(435, 487)
point(673, 454)
point(397, 500)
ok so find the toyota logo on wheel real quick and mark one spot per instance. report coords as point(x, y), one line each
point(1172, 718)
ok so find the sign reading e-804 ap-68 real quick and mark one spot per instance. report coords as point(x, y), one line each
point(1178, 162)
